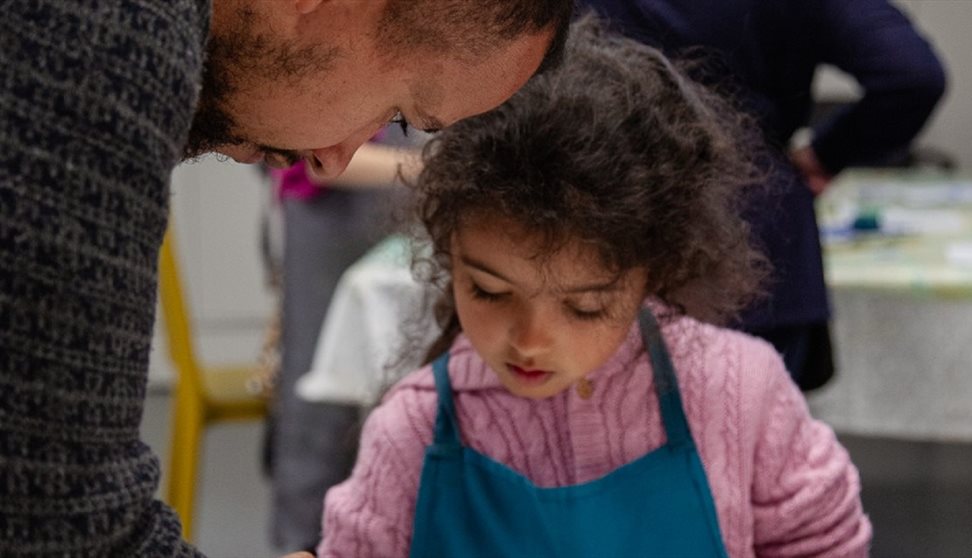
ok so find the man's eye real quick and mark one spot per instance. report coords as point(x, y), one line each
point(399, 119)
point(278, 160)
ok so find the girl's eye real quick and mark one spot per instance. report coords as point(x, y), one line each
point(479, 293)
point(399, 119)
point(582, 314)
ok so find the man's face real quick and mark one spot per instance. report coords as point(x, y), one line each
point(258, 103)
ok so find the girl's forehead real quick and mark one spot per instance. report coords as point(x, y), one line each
point(563, 264)
point(514, 238)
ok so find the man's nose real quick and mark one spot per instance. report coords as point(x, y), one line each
point(330, 162)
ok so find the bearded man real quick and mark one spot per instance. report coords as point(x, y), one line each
point(99, 100)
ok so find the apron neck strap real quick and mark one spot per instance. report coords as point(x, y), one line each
point(446, 425)
point(666, 384)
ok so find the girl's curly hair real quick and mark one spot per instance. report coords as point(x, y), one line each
point(618, 148)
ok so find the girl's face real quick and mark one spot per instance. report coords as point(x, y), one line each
point(541, 324)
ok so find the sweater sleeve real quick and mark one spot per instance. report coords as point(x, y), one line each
point(805, 490)
point(900, 74)
point(371, 513)
point(96, 100)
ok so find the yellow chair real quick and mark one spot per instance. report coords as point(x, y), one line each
point(203, 396)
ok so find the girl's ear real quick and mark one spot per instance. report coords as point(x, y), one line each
point(307, 6)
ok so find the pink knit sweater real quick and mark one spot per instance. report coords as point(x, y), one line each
point(782, 484)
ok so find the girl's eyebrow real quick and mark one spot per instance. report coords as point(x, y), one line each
point(611, 285)
point(478, 265)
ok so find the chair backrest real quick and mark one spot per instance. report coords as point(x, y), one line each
point(177, 318)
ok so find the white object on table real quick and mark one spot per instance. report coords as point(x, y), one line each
point(376, 307)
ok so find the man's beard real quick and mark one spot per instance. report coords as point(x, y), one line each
point(244, 61)
point(212, 126)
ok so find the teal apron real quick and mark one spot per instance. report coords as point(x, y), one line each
point(659, 505)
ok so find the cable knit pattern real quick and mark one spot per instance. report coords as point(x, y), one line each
point(782, 484)
point(96, 100)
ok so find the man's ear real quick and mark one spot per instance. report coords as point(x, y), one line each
point(307, 6)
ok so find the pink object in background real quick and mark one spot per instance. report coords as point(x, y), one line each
point(293, 182)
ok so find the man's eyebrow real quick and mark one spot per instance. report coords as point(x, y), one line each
point(428, 123)
point(289, 154)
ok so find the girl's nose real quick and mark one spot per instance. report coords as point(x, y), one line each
point(530, 336)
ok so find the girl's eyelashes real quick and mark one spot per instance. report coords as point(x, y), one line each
point(399, 119)
point(482, 294)
point(582, 314)
point(579, 313)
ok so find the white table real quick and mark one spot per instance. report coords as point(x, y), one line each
point(902, 327)
point(902, 309)
point(375, 306)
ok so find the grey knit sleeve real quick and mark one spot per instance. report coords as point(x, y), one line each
point(96, 99)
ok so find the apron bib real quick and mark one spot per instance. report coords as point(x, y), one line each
point(658, 505)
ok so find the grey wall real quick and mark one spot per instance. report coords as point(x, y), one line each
point(216, 212)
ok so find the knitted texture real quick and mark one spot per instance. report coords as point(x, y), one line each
point(782, 484)
point(96, 100)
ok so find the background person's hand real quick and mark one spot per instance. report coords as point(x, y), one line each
point(299, 555)
point(817, 177)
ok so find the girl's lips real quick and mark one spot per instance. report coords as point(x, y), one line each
point(528, 376)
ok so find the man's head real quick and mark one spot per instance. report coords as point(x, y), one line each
point(315, 79)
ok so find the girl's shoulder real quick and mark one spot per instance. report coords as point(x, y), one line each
point(754, 353)
point(720, 358)
point(467, 372)
point(698, 344)
point(408, 409)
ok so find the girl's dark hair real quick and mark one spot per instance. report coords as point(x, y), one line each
point(615, 147)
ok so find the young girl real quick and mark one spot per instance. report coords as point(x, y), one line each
point(582, 407)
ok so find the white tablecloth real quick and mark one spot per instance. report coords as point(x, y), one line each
point(378, 315)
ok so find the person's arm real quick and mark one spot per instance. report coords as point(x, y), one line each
point(374, 165)
point(94, 107)
point(371, 513)
point(805, 491)
point(805, 159)
point(901, 77)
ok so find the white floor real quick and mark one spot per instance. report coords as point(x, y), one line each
point(233, 497)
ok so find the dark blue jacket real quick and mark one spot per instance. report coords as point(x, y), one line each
point(768, 51)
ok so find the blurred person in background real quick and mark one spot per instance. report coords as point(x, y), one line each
point(326, 225)
point(765, 54)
